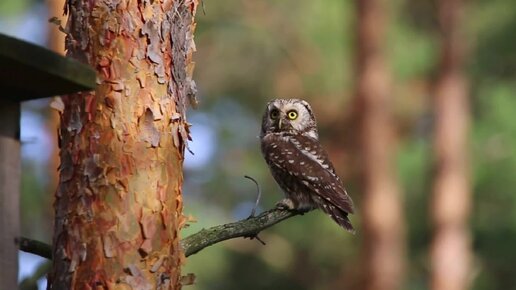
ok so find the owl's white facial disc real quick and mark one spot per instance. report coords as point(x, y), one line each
point(292, 116)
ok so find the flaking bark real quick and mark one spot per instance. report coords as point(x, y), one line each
point(118, 204)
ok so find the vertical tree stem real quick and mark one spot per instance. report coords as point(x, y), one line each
point(450, 207)
point(383, 223)
point(118, 204)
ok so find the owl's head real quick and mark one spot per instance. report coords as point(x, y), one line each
point(289, 115)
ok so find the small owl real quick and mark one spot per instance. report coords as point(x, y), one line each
point(298, 163)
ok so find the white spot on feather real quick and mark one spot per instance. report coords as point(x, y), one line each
point(312, 178)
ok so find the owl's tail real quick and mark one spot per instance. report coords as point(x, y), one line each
point(338, 215)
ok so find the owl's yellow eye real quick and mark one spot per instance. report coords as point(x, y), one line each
point(274, 114)
point(292, 115)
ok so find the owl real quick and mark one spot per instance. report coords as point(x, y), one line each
point(299, 164)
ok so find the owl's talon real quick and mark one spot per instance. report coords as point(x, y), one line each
point(304, 209)
point(286, 204)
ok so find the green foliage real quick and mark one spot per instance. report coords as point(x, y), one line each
point(252, 51)
point(292, 48)
point(35, 205)
point(13, 8)
point(494, 218)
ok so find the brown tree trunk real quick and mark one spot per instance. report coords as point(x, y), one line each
point(383, 225)
point(56, 38)
point(450, 207)
point(118, 204)
point(56, 41)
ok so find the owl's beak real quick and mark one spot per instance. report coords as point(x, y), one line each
point(279, 124)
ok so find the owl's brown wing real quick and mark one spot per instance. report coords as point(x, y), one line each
point(304, 158)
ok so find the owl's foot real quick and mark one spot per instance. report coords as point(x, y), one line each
point(286, 203)
point(304, 208)
point(289, 204)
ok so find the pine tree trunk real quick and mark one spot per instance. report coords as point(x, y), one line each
point(383, 224)
point(55, 42)
point(450, 250)
point(119, 205)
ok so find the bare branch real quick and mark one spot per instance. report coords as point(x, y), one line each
point(247, 228)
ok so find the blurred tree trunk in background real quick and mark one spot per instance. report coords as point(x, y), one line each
point(450, 207)
point(383, 223)
point(118, 208)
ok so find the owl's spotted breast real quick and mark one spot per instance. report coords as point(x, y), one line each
point(302, 169)
point(304, 158)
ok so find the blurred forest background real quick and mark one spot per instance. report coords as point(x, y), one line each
point(249, 52)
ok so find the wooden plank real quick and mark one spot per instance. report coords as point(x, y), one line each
point(10, 171)
point(28, 71)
